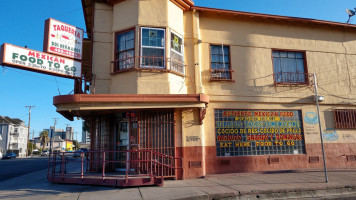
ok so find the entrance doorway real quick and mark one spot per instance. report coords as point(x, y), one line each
point(125, 140)
point(144, 130)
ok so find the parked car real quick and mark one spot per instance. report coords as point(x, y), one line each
point(45, 153)
point(79, 152)
point(9, 156)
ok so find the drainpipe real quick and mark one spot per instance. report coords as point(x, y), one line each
point(196, 55)
point(197, 75)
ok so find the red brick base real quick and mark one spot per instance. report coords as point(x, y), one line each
point(337, 156)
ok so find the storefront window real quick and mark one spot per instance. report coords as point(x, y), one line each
point(258, 132)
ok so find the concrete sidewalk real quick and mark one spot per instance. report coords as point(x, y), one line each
point(271, 185)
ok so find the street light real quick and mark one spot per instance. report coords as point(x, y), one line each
point(321, 135)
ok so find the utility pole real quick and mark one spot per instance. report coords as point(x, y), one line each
point(321, 135)
point(52, 133)
point(33, 141)
point(29, 125)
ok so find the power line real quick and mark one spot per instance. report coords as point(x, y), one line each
point(35, 76)
point(331, 94)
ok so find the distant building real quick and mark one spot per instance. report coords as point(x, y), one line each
point(58, 144)
point(13, 134)
point(85, 137)
point(69, 133)
point(63, 134)
point(37, 141)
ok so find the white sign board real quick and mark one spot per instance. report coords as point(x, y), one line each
point(22, 58)
point(63, 39)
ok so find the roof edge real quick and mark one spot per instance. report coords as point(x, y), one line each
point(273, 17)
point(117, 98)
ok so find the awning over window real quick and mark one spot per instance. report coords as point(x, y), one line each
point(86, 105)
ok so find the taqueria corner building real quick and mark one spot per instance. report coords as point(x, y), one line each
point(221, 91)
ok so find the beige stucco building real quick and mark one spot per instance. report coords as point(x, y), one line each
point(218, 91)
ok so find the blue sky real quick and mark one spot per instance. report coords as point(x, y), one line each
point(22, 24)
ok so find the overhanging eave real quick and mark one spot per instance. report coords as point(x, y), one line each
point(85, 105)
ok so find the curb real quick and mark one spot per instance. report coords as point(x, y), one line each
point(278, 194)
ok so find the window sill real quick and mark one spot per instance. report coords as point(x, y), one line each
point(222, 80)
point(291, 84)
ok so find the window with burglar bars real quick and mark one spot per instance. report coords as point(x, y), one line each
point(345, 118)
point(289, 67)
point(156, 132)
point(220, 63)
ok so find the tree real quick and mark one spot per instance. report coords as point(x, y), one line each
point(86, 126)
point(30, 147)
point(76, 144)
point(44, 138)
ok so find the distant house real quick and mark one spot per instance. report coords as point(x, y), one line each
point(59, 144)
point(14, 135)
point(37, 141)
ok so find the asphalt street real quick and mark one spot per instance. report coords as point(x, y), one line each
point(25, 179)
point(11, 168)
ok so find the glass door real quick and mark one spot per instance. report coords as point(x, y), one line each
point(122, 144)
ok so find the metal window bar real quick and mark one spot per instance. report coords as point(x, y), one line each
point(345, 118)
point(220, 74)
point(291, 78)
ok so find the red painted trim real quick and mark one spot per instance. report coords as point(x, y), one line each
point(129, 98)
point(268, 16)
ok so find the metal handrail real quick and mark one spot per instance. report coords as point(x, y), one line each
point(153, 158)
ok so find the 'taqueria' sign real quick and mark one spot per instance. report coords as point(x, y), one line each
point(22, 58)
point(63, 39)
